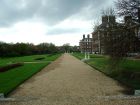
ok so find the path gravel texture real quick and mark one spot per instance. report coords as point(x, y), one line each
point(68, 81)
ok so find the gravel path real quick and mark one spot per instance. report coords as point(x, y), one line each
point(68, 81)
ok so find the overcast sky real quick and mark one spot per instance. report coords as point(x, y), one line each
point(55, 21)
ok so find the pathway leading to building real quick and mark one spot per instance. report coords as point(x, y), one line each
point(68, 81)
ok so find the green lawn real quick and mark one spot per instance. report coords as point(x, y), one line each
point(48, 57)
point(9, 80)
point(127, 68)
point(78, 55)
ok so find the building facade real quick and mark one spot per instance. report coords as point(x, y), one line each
point(134, 27)
point(100, 33)
point(109, 21)
point(86, 44)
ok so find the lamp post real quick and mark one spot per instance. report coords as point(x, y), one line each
point(85, 55)
point(88, 56)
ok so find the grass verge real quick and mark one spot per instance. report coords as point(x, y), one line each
point(128, 72)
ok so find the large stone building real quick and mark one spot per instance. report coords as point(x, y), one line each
point(134, 27)
point(96, 43)
point(109, 21)
point(86, 44)
point(100, 32)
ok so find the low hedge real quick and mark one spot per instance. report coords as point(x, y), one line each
point(10, 66)
point(41, 58)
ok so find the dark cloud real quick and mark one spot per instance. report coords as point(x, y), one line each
point(51, 11)
point(17, 10)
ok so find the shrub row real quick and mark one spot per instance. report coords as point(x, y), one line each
point(41, 58)
point(10, 66)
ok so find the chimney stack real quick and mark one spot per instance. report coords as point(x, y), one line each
point(88, 36)
point(112, 19)
point(104, 19)
point(127, 19)
point(84, 36)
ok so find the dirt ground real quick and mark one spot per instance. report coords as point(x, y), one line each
point(68, 81)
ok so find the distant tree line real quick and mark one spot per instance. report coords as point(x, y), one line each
point(67, 48)
point(23, 49)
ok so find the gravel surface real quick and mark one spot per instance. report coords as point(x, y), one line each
point(68, 81)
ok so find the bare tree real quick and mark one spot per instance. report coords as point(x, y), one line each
point(118, 40)
point(108, 12)
point(129, 7)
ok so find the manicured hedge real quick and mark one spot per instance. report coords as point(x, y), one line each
point(10, 66)
point(41, 58)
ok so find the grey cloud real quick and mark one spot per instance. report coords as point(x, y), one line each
point(58, 10)
point(12, 11)
point(50, 11)
point(58, 31)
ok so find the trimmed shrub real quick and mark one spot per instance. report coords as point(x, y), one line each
point(10, 66)
point(41, 58)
